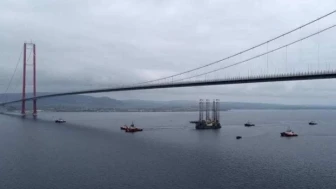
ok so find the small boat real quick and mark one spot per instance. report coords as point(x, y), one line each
point(238, 137)
point(288, 133)
point(60, 120)
point(132, 129)
point(194, 121)
point(249, 124)
point(312, 123)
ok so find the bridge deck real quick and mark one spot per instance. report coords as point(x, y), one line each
point(235, 80)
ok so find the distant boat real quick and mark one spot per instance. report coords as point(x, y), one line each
point(132, 129)
point(312, 123)
point(288, 133)
point(238, 137)
point(60, 120)
point(194, 121)
point(249, 124)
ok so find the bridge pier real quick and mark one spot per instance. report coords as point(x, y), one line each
point(34, 108)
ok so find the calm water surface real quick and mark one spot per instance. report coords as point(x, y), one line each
point(90, 151)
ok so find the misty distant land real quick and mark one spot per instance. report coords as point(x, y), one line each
point(85, 103)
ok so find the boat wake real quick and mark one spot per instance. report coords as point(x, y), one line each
point(167, 128)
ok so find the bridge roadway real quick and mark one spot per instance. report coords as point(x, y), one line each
point(228, 81)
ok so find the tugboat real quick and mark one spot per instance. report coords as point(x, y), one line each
point(132, 129)
point(249, 124)
point(312, 123)
point(288, 133)
point(60, 120)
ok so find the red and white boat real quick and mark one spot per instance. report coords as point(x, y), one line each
point(132, 129)
point(288, 133)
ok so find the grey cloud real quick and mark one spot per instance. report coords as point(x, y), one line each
point(94, 44)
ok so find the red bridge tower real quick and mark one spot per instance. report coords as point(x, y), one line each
point(23, 108)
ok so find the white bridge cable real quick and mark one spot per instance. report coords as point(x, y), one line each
point(244, 51)
point(260, 55)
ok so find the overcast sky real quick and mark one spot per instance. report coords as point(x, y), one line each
point(92, 44)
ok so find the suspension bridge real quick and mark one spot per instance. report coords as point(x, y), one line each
point(298, 54)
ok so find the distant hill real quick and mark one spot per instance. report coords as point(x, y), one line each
point(71, 101)
point(82, 102)
point(225, 105)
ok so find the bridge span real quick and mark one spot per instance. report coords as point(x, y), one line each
point(282, 45)
point(228, 81)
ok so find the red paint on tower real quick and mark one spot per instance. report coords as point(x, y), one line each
point(23, 107)
point(34, 80)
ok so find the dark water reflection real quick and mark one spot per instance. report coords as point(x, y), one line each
point(90, 151)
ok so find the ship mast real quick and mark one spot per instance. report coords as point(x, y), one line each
point(201, 110)
point(207, 110)
point(214, 114)
point(217, 110)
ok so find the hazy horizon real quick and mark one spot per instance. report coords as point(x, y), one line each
point(187, 100)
